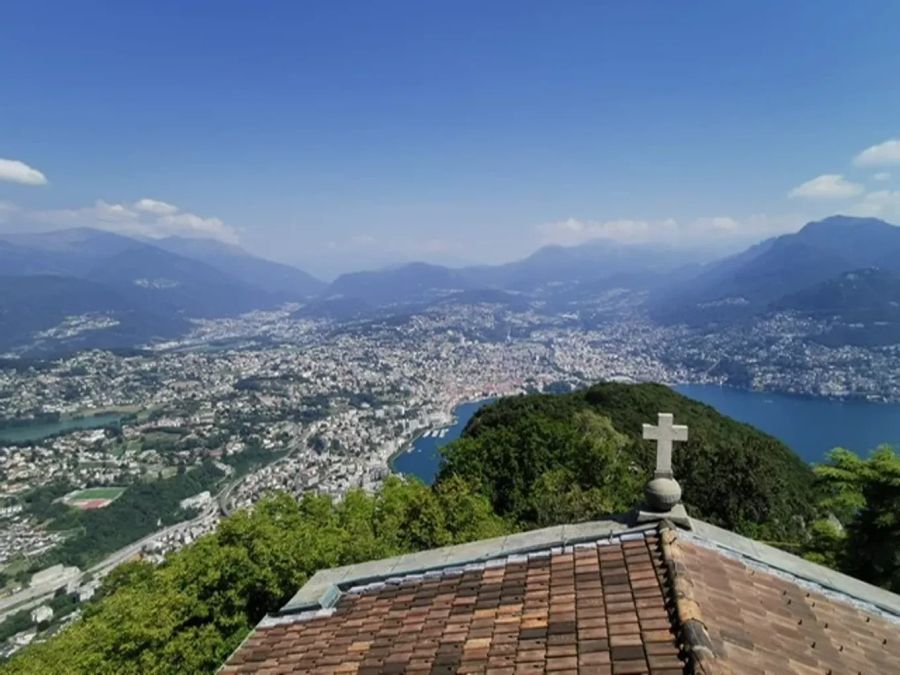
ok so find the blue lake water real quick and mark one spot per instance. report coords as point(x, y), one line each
point(810, 426)
point(423, 459)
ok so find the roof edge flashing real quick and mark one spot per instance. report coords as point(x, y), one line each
point(325, 587)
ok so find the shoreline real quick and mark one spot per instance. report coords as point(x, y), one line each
point(79, 422)
point(765, 410)
point(835, 398)
point(86, 414)
point(451, 420)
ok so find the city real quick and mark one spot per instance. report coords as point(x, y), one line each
point(429, 338)
point(317, 405)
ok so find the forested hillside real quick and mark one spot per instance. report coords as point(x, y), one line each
point(189, 614)
point(543, 459)
point(522, 462)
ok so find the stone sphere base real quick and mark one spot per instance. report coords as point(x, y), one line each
point(662, 494)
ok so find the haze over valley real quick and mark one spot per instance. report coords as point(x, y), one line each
point(809, 299)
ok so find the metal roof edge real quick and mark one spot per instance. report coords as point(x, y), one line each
point(326, 586)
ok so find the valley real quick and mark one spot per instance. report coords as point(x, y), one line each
point(814, 313)
point(242, 391)
point(432, 338)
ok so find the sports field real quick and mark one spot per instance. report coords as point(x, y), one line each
point(109, 493)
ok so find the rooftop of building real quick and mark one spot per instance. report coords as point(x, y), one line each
point(650, 592)
point(595, 597)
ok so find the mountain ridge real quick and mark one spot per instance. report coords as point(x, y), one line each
point(193, 278)
point(553, 269)
point(133, 283)
point(286, 281)
point(759, 277)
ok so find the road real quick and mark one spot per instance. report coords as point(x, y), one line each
point(31, 597)
point(34, 596)
point(104, 566)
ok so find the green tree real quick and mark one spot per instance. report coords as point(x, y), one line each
point(864, 495)
point(598, 476)
point(188, 614)
point(543, 459)
point(468, 516)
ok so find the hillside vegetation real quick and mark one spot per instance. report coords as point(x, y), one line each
point(544, 459)
point(526, 461)
point(189, 614)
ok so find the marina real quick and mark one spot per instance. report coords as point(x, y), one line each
point(423, 457)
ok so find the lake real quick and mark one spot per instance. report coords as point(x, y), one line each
point(810, 426)
point(40, 430)
point(423, 458)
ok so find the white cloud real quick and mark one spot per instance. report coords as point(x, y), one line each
point(6, 210)
point(155, 206)
point(362, 240)
point(714, 231)
point(113, 213)
point(19, 172)
point(883, 154)
point(191, 225)
point(576, 231)
point(436, 246)
point(102, 215)
point(882, 176)
point(879, 204)
point(157, 221)
point(827, 186)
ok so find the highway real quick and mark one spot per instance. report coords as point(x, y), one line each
point(104, 566)
point(33, 596)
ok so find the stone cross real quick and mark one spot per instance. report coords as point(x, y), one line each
point(664, 433)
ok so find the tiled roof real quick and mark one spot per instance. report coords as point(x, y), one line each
point(608, 600)
point(596, 608)
point(760, 622)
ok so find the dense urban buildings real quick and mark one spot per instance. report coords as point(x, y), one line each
point(269, 401)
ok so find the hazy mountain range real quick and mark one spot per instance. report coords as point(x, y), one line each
point(841, 267)
point(149, 288)
point(554, 273)
point(792, 271)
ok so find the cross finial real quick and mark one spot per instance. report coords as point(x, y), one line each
point(664, 433)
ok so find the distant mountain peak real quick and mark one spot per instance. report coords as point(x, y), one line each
point(819, 261)
point(840, 222)
point(415, 266)
point(57, 240)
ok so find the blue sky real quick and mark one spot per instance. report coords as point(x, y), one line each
point(337, 135)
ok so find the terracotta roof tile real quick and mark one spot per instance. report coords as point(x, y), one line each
point(586, 609)
point(657, 603)
point(760, 621)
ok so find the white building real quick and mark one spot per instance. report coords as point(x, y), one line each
point(198, 501)
point(41, 614)
point(86, 592)
point(56, 576)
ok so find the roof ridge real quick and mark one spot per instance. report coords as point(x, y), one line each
point(689, 622)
